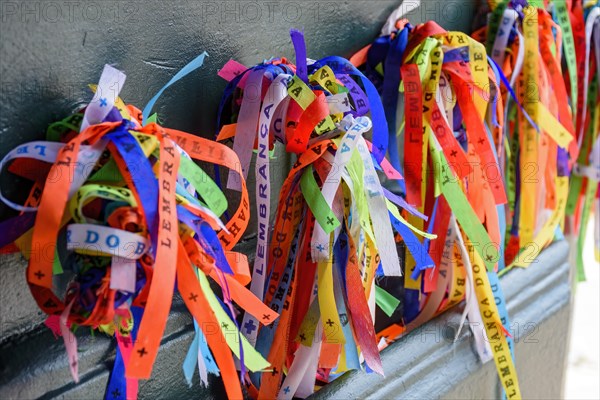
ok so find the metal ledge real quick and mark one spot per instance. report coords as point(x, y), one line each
point(424, 364)
point(33, 363)
point(427, 364)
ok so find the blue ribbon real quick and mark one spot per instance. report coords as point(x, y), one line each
point(143, 178)
point(512, 93)
point(340, 65)
point(190, 67)
point(199, 344)
point(300, 49)
point(267, 333)
point(352, 361)
point(411, 305)
point(13, 228)
point(391, 83)
point(207, 238)
point(415, 247)
point(117, 385)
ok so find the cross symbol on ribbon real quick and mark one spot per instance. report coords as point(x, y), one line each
point(249, 326)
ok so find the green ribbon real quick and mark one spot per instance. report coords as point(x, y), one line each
point(316, 202)
point(386, 301)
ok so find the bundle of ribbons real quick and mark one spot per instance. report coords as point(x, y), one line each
point(425, 166)
point(333, 227)
point(138, 218)
point(548, 56)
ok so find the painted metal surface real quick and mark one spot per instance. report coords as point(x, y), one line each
point(427, 364)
